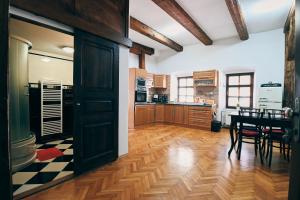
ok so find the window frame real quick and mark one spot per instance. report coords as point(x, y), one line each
point(185, 87)
point(251, 85)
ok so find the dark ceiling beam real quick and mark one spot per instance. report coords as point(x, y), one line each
point(181, 16)
point(139, 48)
point(144, 29)
point(238, 18)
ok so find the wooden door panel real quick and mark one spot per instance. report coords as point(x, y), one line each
point(99, 73)
point(96, 101)
point(97, 140)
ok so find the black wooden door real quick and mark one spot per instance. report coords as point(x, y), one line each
point(294, 191)
point(5, 176)
point(96, 80)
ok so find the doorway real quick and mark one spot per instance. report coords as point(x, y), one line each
point(41, 106)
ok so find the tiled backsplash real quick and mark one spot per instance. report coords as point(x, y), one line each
point(208, 93)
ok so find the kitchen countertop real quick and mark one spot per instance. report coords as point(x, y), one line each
point(173, 103)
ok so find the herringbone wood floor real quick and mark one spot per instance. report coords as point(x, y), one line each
point(170, 162)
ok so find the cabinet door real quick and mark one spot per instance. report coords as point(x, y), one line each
point(141, 115)
point(151, 113)
point(160, 113)
point(178, 114)
point(200, 117)
point(169, 113)
point(160, 81)
point(186, 115)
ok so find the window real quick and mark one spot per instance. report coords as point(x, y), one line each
point(185, 89)
point(239, 90)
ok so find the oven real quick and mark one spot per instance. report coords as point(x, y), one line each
point(140, 96)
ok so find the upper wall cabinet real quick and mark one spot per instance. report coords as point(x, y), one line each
point(206, 78)
point(106, 18)
point(159, 81)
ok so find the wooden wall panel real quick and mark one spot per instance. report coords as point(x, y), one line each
point(106, 18)
point(289, 71)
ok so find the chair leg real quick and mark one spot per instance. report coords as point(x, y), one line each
point(240, 147)
point(255, 146)
point(271, 151)
point(288, 152)
point(268, 148)
point(283, 149)
point(260, 152)
point(280, 147)
point(264, 145)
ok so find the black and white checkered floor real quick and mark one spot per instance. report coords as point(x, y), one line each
point(41, 172)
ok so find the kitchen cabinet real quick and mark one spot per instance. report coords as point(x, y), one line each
point(141, 73)
point(159, 113)
point(206, 78)
point(185, 115)
point(200, 117)
point(169, 113)
point(179, 114)
point(151, 114)
point(141, 114)
point(159, 81)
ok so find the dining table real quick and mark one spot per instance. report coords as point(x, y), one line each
point(263, 121)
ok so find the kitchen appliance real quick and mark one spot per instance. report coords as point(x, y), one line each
point(270, 96)
point(140, 84)
point(140, 90)
point(160, 98)
point(140, 96)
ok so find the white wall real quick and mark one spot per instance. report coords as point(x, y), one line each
point(263, 54)
point(123, 100)
point(55, 69)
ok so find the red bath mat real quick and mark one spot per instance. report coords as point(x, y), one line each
point(47, 154)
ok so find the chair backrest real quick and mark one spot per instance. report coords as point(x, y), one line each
point(274, 113)
point(251, 113)
point(249, 109)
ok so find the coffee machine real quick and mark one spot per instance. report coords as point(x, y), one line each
point(160, 98)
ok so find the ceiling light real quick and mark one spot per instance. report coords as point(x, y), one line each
point(45, 59)
point(269, 5)
point(68, 49)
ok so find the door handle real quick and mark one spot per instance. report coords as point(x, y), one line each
point(77, 104)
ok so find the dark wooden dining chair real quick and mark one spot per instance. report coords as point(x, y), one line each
point(245, 125)
point(275, 136)
point(254, 132)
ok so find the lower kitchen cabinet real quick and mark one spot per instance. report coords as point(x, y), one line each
point(179, 114)
point(141, 114)
point(169, 113)
point(159, 113)
point(151, 114)
point(191, 116)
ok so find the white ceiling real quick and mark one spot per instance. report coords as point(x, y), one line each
point(42, 39)
point(211, 15)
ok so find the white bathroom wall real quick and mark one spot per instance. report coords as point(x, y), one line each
point(123, 99)
point(262, 54)
point(54, 69)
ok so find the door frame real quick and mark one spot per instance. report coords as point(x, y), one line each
point(6, 182)
point(5, 167)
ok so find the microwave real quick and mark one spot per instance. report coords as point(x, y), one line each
point(140, 96)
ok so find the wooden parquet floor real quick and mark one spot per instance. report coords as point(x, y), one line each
point(171, 162)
